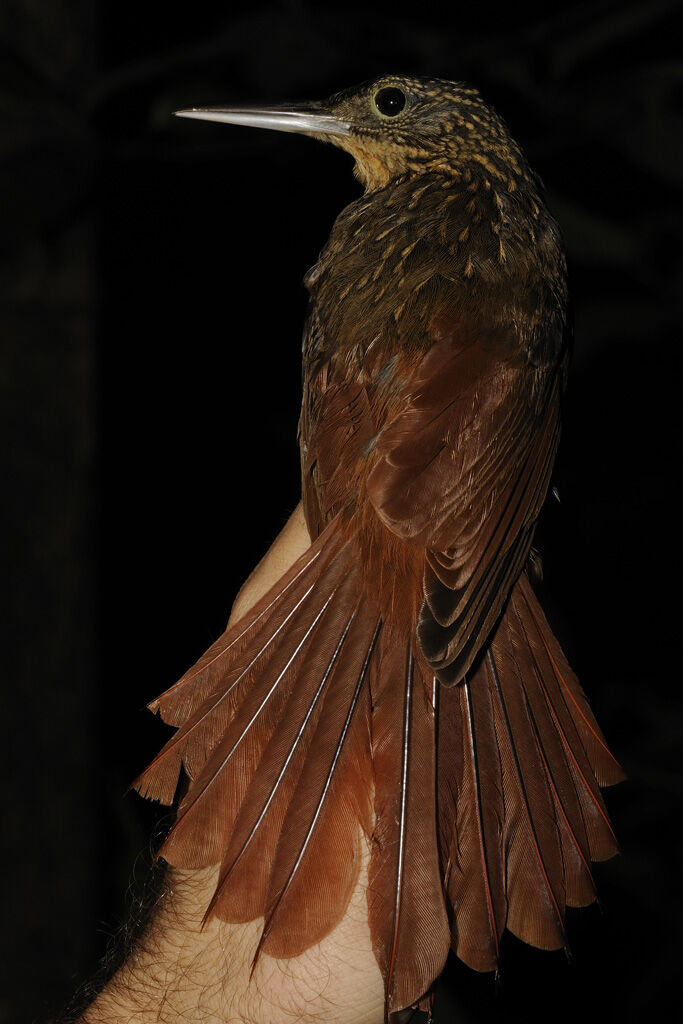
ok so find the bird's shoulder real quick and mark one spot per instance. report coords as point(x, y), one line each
point(470, 230)
point(429, 256)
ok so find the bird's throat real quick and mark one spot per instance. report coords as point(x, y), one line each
point(375, 167)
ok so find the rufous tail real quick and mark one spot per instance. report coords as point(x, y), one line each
point(312, 726)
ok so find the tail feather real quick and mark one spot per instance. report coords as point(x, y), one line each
point(533, 860)
point(521, 814)
point(315, 720)
point(318, 855)
point(568, 803)
point(578, 879)
point(203, 702)
point(207, 813)
point(245, 868)
point(585, 749)
point(475, 876)
point(182, 699)
point(604, 766)
point(192, 744)
point(407, 913)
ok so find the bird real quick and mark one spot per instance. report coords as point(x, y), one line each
point(400, 684)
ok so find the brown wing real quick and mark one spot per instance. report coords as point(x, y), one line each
point(463, 469)
point(343, 430)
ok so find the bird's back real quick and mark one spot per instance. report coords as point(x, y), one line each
point(400, 682)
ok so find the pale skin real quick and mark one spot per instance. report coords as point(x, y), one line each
point(183, 972)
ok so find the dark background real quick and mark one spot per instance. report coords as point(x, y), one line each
point(150, 317)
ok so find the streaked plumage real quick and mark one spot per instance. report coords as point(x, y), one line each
point(401, 681)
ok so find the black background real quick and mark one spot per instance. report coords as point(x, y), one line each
point(150, 313)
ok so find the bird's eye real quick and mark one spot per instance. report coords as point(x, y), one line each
point(390, 101)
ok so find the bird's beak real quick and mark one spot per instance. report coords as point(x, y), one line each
point(307, 118)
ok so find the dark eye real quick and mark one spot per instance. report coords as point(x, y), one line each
point(390, 101)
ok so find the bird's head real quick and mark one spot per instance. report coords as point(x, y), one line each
point(395, 126)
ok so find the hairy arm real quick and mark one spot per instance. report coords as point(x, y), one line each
point(181, 971)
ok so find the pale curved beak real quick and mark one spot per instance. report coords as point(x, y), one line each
point(306, 119)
